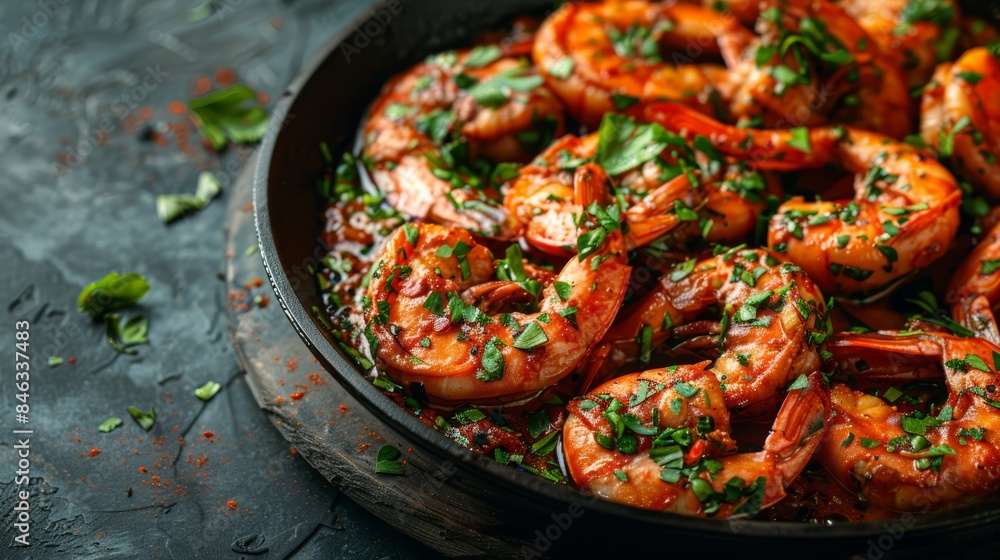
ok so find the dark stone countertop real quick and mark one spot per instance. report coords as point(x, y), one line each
point(77, 204)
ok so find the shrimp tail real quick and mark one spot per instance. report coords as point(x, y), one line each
point(649, 220)
point(884, 356)
point(975, 312)
point(796, 433)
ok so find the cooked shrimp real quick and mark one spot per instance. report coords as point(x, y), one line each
point(772, 320)
point(491, 101)
point(549, 194)
point(743, 10)
point(961, 117)
point(430, 336)
point(664, 191)
point(813, 64)
point(661, 440)
point(916, 461)
point(903, 217)
point(913, 34)
point(603, 56)
point(975, 288)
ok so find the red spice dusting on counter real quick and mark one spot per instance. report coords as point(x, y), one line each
point(202, 86)
point(225, 76)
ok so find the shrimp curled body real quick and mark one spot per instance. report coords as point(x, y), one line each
point(428, 331)
point(904, 214)
point(904, 462)
point(661, 440)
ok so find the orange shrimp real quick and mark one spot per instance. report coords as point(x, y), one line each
point(433, 330)
point(916, 461)
point(975, 288)
point(602, 57)
point(661, 188)
point(813, 64)
point(913, 34)
point(961, 117)
point(488, 103)
point(661, 440)
point(772, 320)
point(903, 217)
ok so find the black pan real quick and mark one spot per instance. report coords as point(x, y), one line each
point(325, 103)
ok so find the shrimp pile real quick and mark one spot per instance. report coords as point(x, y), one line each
point(715, 259)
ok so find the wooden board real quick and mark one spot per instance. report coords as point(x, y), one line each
point(335, 433)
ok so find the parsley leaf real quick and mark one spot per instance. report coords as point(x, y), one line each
point(208, 390)
point(482, 55)
point(172, 207)
point(109, 424)
point(562, 68)
point(145, 419)
point(623, 145)
point(493, 93)
point(800, 139)
point(230, 114)
point(388, 461)
point(530, 337)
point(112, 292)
point(492, 361)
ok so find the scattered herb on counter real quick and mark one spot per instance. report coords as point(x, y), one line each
point(145, 419)
point(388, 461)
point(172, 207)
point(202, 11)
point(55, 361)
point(110, 424)
point(122, 336)
point(112, 292)
point(230, 114)
point(207, 391)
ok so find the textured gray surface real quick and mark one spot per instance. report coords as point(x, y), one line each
point(76, 206)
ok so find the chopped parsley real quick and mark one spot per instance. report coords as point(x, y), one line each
point(388, 460)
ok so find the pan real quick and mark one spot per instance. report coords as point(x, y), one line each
point(325, 104)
